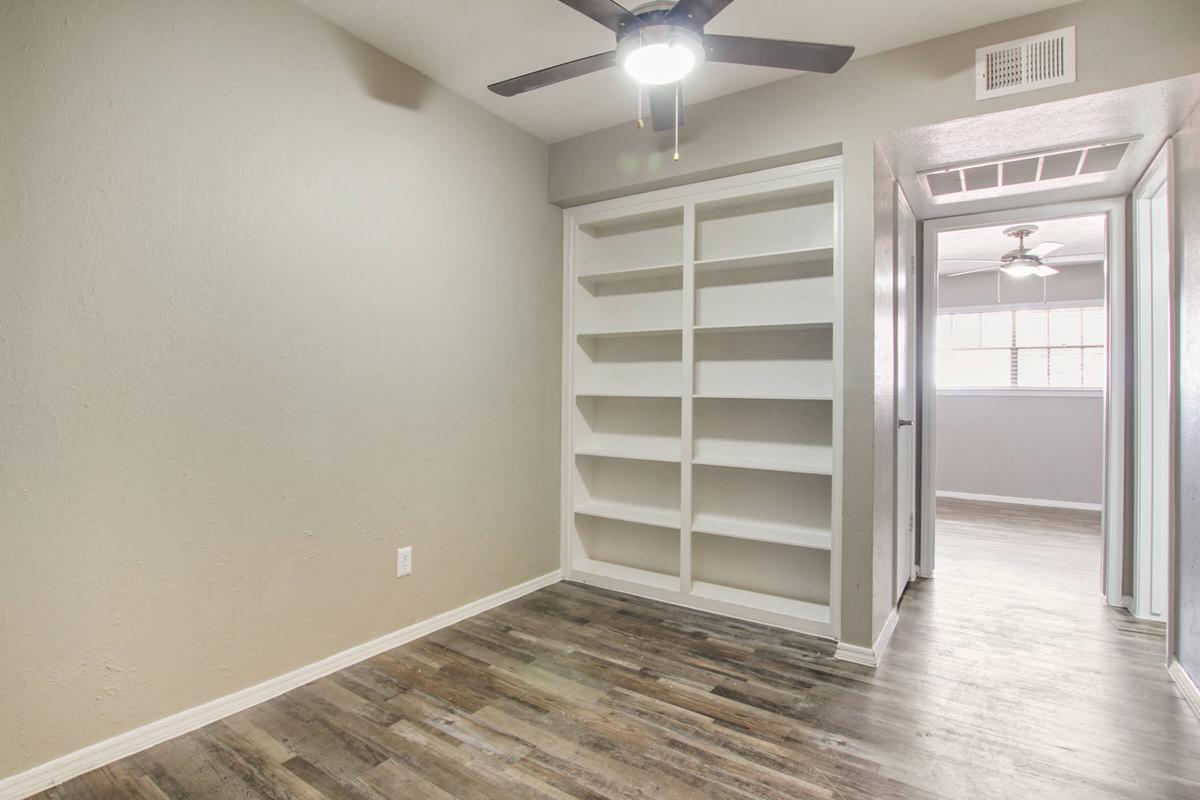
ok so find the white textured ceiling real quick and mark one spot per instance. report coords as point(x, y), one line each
point(467, 44)
point(1078, 235)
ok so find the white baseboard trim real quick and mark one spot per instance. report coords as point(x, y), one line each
point(1020, 501)
point(64, 768)
point(1186, 685)
point(869, 656)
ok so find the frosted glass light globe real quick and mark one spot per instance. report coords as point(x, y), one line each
point(660, 54)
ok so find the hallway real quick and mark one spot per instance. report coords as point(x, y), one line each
point(1025, 670)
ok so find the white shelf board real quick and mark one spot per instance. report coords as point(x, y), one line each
point(804, 255)
point(632, 455)
point(725, 396)
point(814, 468)
point(626, 512)
point(738, 528)
point(635, 274)
point(616, 334)
point(620, 572)
point(603, 393)
point(779, 326)
point(763, 602)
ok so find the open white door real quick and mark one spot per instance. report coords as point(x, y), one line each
point(1152, 398)
point(906, 387)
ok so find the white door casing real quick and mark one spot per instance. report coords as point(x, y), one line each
point(906, 387)
point(1113, 514)
point(1153, 380)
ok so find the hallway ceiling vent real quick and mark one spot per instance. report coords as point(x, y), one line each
point(1023, 65)
point(1030, 172)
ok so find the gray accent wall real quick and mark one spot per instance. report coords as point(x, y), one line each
point(1031, 447)
point(1187, 219)
point(1075, 282)
point(272, 304)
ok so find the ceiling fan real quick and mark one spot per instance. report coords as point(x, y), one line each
point(1023, 262)
point(661, 42)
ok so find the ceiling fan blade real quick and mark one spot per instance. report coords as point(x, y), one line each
point(966, 261)
point(549, 75)
point(1045, 248)
point(662, 106)
point(1081, 258)
point(973, 271)
point(1044, 271)
point(608, 13)
point(696, 13)
point(776, 53)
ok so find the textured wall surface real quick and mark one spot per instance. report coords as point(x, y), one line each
point(1076, 282)
point(1041, 448)
point(271, 305)
point(1187, 218)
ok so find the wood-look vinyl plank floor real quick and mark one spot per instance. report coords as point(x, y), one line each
point(1006, 678)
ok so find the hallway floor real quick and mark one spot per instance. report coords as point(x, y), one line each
point(1006, 678)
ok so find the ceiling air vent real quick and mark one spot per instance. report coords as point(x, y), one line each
point(1028, 172)
point(1023, 65)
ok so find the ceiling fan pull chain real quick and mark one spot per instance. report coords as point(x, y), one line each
point(676, 121)
point(640, 89)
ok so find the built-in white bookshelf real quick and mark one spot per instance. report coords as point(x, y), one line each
point(702, 407)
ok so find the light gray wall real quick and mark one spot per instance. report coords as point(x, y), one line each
point(271, 305)
point(813, 115)
point(1041, 448)
point(1032, 447)
point(1074, 282)
point(1187, 219)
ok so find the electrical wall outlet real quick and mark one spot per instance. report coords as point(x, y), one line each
point(404, 561)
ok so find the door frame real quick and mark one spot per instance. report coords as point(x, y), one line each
point(1113, 496)
point(906, 218)
point(1159, 175)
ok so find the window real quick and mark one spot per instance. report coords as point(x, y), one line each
point(1056, 348)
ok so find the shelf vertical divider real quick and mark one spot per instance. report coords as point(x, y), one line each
point(688, 365)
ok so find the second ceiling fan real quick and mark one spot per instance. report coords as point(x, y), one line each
point(661, 42)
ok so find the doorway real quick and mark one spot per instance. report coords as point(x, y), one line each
point(1012, 340)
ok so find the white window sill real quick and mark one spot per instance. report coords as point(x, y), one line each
point(1009, 391)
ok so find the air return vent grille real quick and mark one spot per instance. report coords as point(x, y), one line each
point(1022, 65)
point(1029, 172)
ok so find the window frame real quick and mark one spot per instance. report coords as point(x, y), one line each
point(1025, 391)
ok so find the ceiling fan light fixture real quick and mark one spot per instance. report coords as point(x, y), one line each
point(659, 54)
point(1020, 268)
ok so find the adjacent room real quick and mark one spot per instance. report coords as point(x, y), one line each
point(593, 399)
